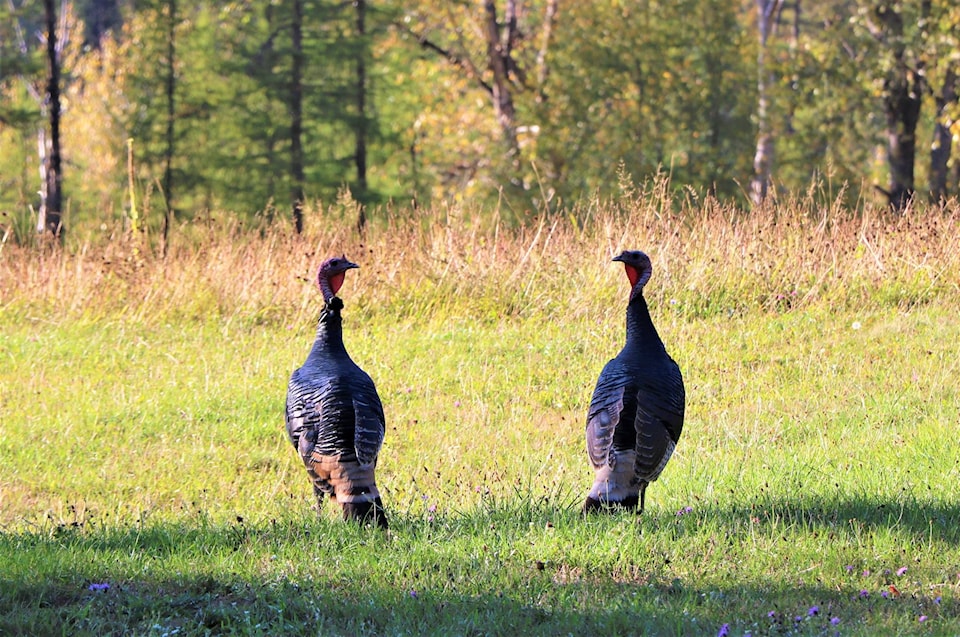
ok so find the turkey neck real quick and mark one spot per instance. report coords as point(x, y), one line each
point(329, 332)
point(641, 333)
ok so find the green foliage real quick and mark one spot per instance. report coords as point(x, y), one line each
point(16, 178)
point(649, 86)
point(21, 73)
point(641, 88)
point(832, 77)
point(827, 126)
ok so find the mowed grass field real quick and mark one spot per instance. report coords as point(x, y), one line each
point(147, 486)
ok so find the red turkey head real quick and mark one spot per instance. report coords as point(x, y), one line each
point(638, 267)
point(330, 276)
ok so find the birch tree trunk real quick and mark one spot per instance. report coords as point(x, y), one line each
point(51, 176)
point(767, 11)
point(171, 121)
point(941, 147)
point(499, 59)
point(360, 153)
point(494, 67)
point(296, 116)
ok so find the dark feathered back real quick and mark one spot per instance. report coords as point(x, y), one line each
point(334, 417)
point(636, 414)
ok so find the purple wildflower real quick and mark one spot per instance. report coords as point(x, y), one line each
point(937, 600)
point(884, 594)
point(96, 587)
point(413, 594)
point(772, 614)
point(864, 593)
point(849, 568)
point(432, 508)
point(685, 510)
point(814, 610)
point(866, 572)
point(834, 621)
point(923, 618)
point(724, 631)
point(901, 571)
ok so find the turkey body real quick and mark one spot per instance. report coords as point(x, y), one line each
point(335, 420)
point(636, 414)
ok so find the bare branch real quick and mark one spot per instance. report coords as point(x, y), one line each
point(463, 63)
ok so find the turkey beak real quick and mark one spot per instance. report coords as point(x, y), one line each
point(619, 258)
point(350, 265)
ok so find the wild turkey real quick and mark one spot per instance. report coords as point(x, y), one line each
point(636, 413)
point(333, 415)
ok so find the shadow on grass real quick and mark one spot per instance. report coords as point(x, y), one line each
point(222, 605)
point(461, 574)
point(922, 520)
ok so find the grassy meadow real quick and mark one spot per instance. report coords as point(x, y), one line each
point(147, 486)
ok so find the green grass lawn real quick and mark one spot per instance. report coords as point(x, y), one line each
point(148, 486)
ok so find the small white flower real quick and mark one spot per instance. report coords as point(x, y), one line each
point(856, 325)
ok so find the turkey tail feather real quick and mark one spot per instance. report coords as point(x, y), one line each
point(348, 481)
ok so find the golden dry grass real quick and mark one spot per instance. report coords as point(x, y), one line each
point(712, 257)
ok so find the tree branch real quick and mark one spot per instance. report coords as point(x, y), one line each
point(461, 63)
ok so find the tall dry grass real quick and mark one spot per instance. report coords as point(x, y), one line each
point(708, 258)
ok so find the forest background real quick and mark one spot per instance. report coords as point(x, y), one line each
point(257, 107)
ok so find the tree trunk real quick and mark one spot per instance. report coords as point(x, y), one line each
point(902, 94)
point(500, 62)
point(168, 216)
point(902, 110)
point(507, 76)
point(360, 156)
point(51, 193)
point(296, 115)
point(100, 17)
point(543, 70)
point(767, 11)
point(940, 149)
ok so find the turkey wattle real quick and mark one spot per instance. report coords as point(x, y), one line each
point(333, 414)
point(636, 413)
